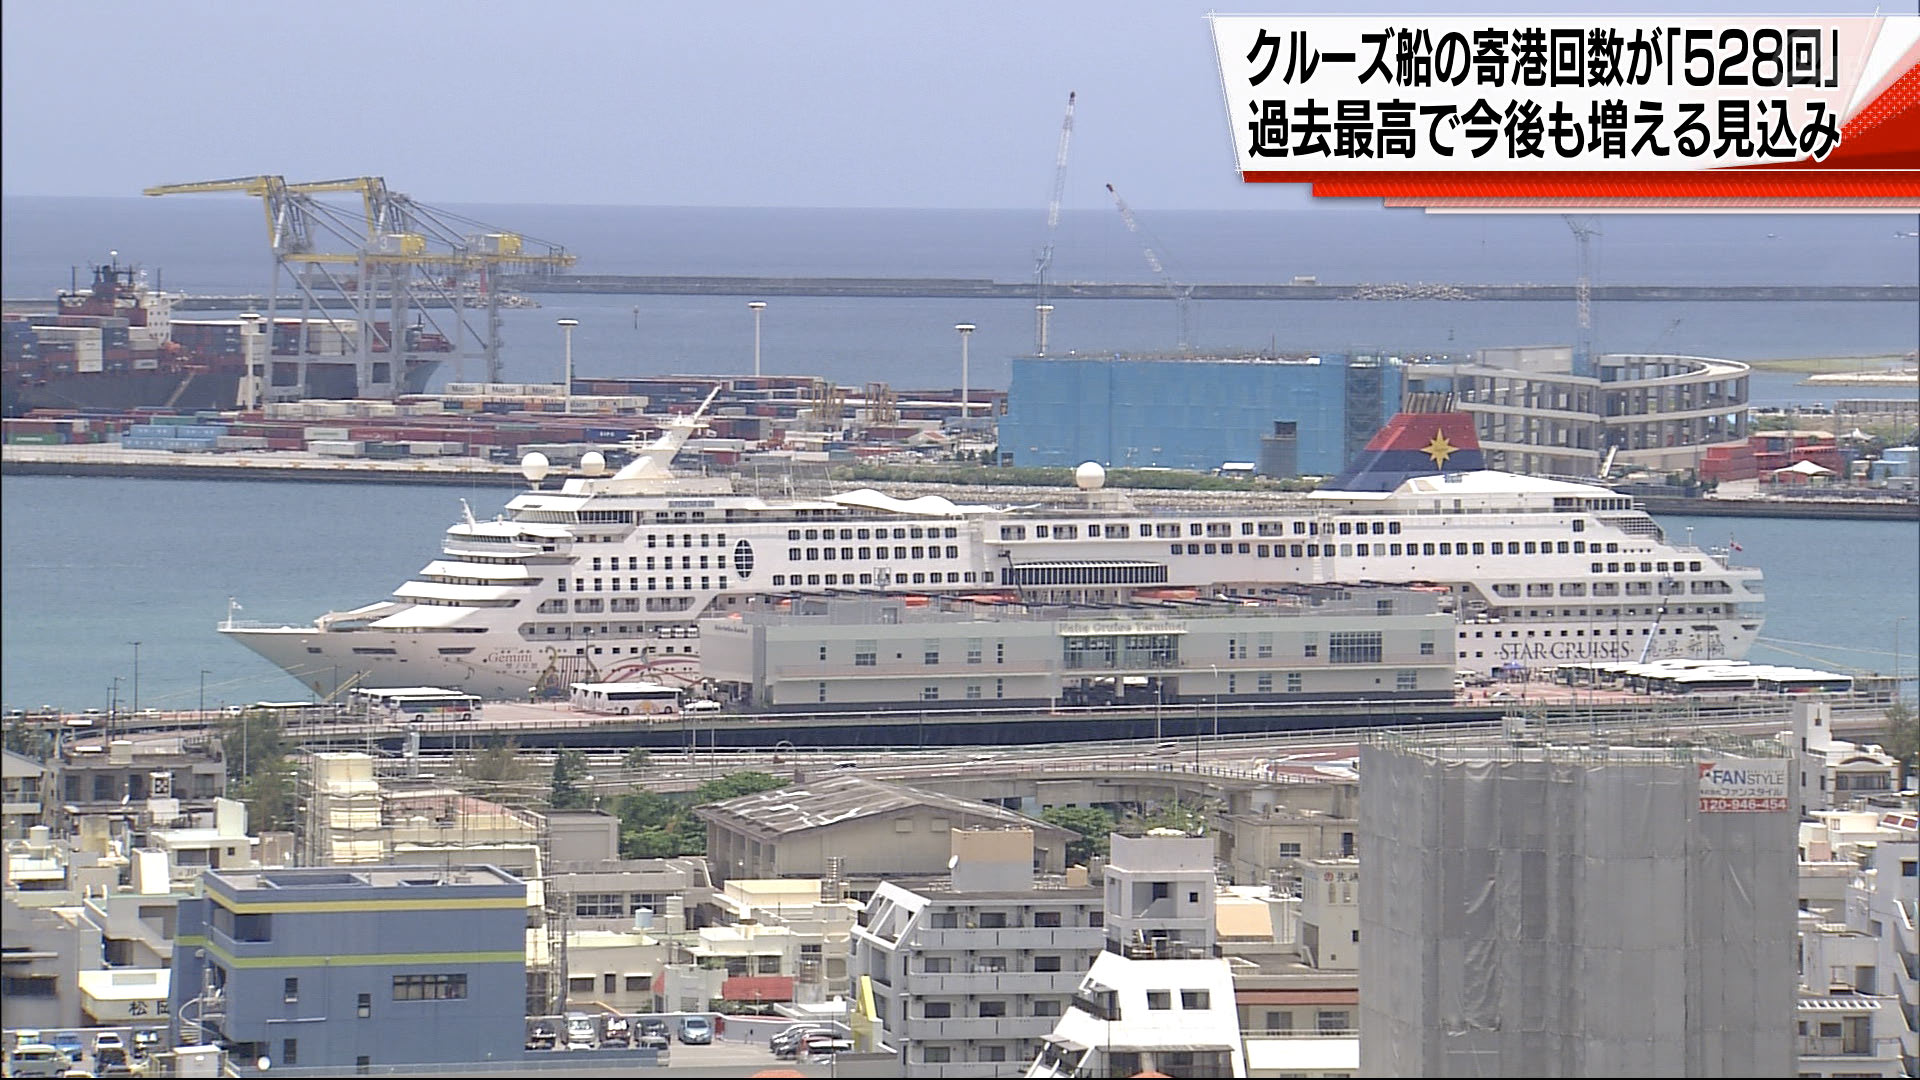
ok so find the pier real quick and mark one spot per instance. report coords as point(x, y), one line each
point(988, 289)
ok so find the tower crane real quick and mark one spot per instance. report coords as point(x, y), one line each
point(1583, 234)
point(1045, 263)
point(405, 256)
point(1180, 295)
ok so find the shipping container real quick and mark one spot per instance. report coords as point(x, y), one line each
point(338, 448)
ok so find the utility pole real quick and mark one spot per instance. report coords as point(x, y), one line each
point(136, 676)
point(966, 331)
point(566, 328)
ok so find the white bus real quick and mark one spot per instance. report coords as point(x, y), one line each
point(412, 703)
point(627, 698)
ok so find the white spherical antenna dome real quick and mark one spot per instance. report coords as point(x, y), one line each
point(593, 463)
point(1089, 476)
point(534, 467)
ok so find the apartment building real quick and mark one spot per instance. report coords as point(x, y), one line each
point(967, 979)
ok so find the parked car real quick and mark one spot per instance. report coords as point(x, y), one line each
point(786, 1042)
point(616, 1031)
point(541, 1038)
point(37, 1059)
point(68, 1043)
point(824, 1044)
point(653, 1025)
point(145, 1042)
point(650, 1041)
point(696, 1031)
point(702, 705)
point(579, 1031)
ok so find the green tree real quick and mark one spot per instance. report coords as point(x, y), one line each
point(253, 741)
point(1093, 823)
point(637, 758)
point(24, 738)
point(734, 785)
point(1901, 740)
point(569, 767)
point(497, 762)
point(268, 792)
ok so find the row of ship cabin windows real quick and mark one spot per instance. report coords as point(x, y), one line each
point(1314, 551)
point(654, 584)
point(913, 532)
point(1509, 590)
point(665, 562)
point(847, 553)
point(1149, 530)
point(951, 577)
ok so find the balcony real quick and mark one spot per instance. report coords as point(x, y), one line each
point(1009, 937)
point(979, 1027)
point(932, 983)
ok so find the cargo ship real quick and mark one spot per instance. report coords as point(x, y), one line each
point(115, 345)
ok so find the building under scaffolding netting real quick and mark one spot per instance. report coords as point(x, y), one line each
point(1560, 910)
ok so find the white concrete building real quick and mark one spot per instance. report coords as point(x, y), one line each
point(1160, 896)
point(1173, 1017)
point(966, 981)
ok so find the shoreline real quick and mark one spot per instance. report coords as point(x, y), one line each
point(107, 461)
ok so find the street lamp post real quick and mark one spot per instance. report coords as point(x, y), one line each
point(1216, 703)
point(200, 716)
point(136, 676)
point(566, 329)
point(966, 331)
point(756, 306)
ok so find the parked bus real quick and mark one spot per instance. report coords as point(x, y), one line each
point(627, 698)
point(411, 703)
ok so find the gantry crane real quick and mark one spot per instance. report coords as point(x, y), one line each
point(1045, 263)
point(1583, 234)
point(1180, 295)
point(405, 256)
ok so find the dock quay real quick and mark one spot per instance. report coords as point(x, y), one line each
point(983, 288)
point(988, 289)
point(108, 459)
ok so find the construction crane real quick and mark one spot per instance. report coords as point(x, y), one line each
point(1180, 296)
point(1583, 234)
point(1042, 308)
point(410, 258)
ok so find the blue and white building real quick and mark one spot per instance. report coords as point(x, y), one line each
point(328, 967)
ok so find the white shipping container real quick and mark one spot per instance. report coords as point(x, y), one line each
point(87, 356)
point(240, 442)
point(338, 448)
point(326, 434)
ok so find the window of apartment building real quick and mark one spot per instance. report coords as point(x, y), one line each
point(1096, 918)
point(993, 1008)
point(1288, 849)
point(1046, 1007)
point(609, 982)
point(1279, 1020)
point(993, 920)
point(938, 965)
point(639, 984)
point(990, 963)
point(945, 920)
point(439, 987)
point(993, 1053)
point(769, 965)
point(1050, 918)
point(600, 905)
point(1161, 890)
point(936, 1055)
point(974, 650)
point(936, 1010)
point(1195, 999)
point(1159, 999)
point(291, 990)
point(363, 1005)
point(1332, 1020)
point(289, 1051)
point(1046, 963)
point(577, 984)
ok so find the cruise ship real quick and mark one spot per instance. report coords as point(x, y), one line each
point(605, 578)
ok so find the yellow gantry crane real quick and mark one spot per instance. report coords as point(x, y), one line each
point(416, 262)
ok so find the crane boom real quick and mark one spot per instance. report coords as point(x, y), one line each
point(1180, 296)
point(1583, 234)
point(1045, 262)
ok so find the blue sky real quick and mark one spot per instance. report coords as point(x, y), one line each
point(829, 103)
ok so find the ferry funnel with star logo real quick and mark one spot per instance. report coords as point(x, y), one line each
point(1413, 444)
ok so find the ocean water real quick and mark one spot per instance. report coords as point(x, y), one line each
point(92, 566)
point(96, 564)
point(214, 245)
